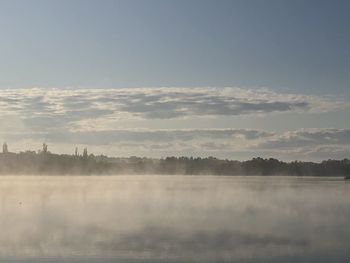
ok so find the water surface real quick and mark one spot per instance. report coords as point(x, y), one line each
point(174, 219)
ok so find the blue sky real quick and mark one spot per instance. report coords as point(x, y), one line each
point(297, 45)
point(266, 52)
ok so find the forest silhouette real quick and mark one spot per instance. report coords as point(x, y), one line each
point(43, 162)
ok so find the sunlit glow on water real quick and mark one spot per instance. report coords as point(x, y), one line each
point(174, 218)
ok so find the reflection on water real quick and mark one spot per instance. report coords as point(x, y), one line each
point(174, 219)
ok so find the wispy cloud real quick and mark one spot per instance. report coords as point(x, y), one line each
point(310, 137)
point(310, 144)
point(155, 103)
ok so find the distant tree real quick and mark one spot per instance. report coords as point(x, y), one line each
point(5, 148)
point(85, 153)
point(44, 148)
point(76, 151)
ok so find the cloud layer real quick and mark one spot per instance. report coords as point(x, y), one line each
point(155, 103)
point(94, 117)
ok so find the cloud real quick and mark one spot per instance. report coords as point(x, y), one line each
point(310, 137)
point(133, 121)
point(155, 103)
point(313, 144)
point(308, 144)
point(157, 138)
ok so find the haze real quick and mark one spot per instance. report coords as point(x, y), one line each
point(187, 219)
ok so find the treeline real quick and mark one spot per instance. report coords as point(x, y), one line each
point(46, 163)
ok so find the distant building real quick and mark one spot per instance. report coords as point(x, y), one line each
point(44, 148)
point(5, 148)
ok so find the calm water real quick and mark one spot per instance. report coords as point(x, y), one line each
point(174, 219)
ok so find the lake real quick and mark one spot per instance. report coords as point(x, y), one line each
point(155, 219)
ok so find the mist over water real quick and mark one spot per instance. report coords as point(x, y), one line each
point(174, 219)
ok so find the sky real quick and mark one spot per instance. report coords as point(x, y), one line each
point(231, 79)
